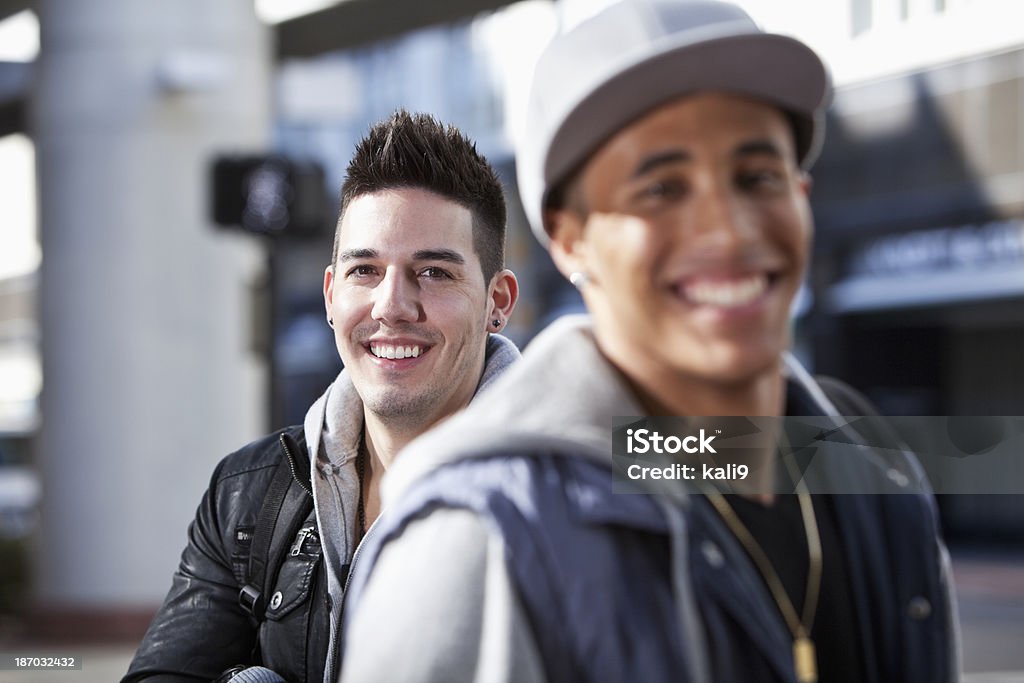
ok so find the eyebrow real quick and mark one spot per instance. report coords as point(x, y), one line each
point(653, 161)
point(758, 147)
point(357, 254)
point(445, 255)
point(675, 156)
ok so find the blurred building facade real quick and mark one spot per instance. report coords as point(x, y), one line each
point(917, 295)
point(918, 278)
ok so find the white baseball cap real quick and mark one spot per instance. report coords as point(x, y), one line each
point(592, 81)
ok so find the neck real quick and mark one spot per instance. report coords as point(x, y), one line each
point(385, 438)
point(760, 395)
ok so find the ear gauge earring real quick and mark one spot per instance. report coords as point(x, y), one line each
point(579, 280)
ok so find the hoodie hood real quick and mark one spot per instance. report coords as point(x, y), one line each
point(560, 398)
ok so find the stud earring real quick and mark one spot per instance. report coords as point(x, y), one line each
point(579, 280)
point(496, 323)
point(330, 323)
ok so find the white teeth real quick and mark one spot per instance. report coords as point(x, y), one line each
point(394, 352)
point(727, 294)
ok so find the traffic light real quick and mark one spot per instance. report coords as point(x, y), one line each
point(270, 195)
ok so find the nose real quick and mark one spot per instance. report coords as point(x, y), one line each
point(722, 219)
point(396, 299)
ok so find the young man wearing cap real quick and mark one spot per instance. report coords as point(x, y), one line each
point(415, 294)
point(665, 168)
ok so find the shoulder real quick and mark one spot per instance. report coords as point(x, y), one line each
point(230, 508)
point(261, 454)
point(460, 582)
point(503, 479)
point(553, 502)
point(240, 481)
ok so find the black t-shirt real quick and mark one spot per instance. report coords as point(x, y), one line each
point(779, 531)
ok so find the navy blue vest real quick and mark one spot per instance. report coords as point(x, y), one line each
point(593, 567)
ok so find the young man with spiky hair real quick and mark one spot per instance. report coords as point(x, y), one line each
point(416, 294)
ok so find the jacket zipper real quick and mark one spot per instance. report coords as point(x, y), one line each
point(355, 556)
point(334, 654)
point(291, 465)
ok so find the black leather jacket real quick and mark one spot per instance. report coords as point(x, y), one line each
point(201, 629)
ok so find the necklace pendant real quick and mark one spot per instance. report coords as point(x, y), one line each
point(804, 660)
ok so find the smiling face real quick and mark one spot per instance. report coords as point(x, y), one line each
point(693, 226)
point(409, 305)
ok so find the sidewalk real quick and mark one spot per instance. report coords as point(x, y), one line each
point(990, 590)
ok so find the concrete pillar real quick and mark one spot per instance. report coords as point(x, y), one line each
point(149, 377)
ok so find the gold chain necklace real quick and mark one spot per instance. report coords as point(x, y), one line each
point(804, 657)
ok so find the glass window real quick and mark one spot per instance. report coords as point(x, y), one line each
point(860, 16)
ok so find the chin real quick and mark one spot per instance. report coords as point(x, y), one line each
point(737, 365)
point(389, 405)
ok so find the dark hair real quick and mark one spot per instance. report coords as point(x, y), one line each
point(417, 151)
